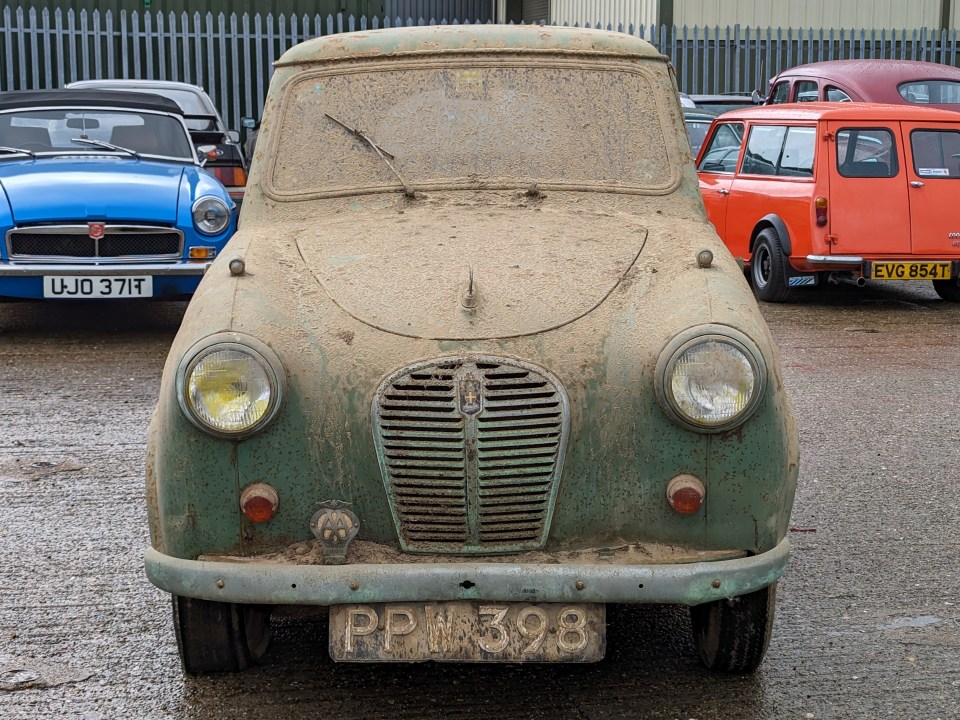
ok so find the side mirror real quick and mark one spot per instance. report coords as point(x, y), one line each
point(206, 152)
point(233, 136)
point(757, 98)
point(249, 123)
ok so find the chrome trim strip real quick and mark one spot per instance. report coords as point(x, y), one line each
point(290, 584)
point(835, 259)
point(157, 269)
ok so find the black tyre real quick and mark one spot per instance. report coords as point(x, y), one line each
point(768, 273)
point(219, 637)
point(947, 289)
point(732, 635)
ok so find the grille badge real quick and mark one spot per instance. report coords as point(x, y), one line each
point(471, 399)
point(97, 230)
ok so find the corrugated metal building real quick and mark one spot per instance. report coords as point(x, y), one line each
point(866, 14)
point(816, 14)
point(638, 13)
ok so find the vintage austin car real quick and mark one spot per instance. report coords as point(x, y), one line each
point(475, 366)
point(104, 197)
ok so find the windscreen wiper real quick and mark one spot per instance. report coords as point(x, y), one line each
point(384, 155)
point(20, 151)
point(108, 146)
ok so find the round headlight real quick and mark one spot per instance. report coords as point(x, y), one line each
point(229, 388)
point(711, 382)
point(211, 215)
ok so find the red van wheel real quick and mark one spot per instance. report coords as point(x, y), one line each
point(768, 268)
point(947, 289)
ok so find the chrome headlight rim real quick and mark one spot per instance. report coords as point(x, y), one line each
point(217, 201)
point(260, 352)
point(691, 337)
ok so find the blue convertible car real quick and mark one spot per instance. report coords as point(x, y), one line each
point(103, 196)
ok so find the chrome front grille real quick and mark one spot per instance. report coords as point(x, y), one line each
point(74, 242)
point(471, 451)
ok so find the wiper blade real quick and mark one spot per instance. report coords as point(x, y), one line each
point(17, 151)
point(108, 146)
point(384, 155)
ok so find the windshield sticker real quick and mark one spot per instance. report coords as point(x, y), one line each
point(933, 172)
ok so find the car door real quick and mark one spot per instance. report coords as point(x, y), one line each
point(869, 209)
point(933, 174)
point(715, 168)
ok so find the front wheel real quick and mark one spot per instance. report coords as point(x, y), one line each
point(219, 637)
point(768, 268)
point(732, 635)
point(948, 289)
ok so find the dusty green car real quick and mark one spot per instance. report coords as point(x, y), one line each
point(474, 366)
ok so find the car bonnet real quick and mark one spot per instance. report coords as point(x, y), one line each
point(462, 273)
point(75, 189)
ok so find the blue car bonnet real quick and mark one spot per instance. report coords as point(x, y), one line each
point(81, 189)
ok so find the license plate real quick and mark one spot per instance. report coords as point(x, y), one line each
point(911, 271)
point(468, 632)
point(97, 286)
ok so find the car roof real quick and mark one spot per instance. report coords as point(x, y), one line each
point(843, 111)
point(698, 114)
point(877, 77)
point(434, 39)
point(723, 98)
point(87, 98)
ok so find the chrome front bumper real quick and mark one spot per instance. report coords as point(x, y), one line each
point(113, 270)
point(289, 584)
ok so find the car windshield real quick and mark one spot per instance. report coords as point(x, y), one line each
point(697, 130)
point(490, 126)
point(63, 131)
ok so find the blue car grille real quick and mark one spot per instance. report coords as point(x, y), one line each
point(64, 243)
point(471, 452)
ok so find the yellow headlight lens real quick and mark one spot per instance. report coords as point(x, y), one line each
point(712, 383)
point(229, 389)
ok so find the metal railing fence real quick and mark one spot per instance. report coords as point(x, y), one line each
point(231, 56)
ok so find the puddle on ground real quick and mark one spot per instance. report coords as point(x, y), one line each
point(914, 622)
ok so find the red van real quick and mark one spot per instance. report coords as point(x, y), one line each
point(803, 193)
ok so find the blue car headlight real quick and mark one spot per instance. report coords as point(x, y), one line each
point(211, 215)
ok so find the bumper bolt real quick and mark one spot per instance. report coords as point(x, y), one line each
point(220, 584)
point(354, 586)
point(715, 583)
point(580, 585)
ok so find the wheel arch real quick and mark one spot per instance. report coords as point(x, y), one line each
point(775, 222)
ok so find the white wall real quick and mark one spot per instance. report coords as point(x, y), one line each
point(607, 12)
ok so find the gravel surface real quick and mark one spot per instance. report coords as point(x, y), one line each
point(868, 623)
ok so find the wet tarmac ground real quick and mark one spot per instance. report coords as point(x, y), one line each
point(868, 622)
